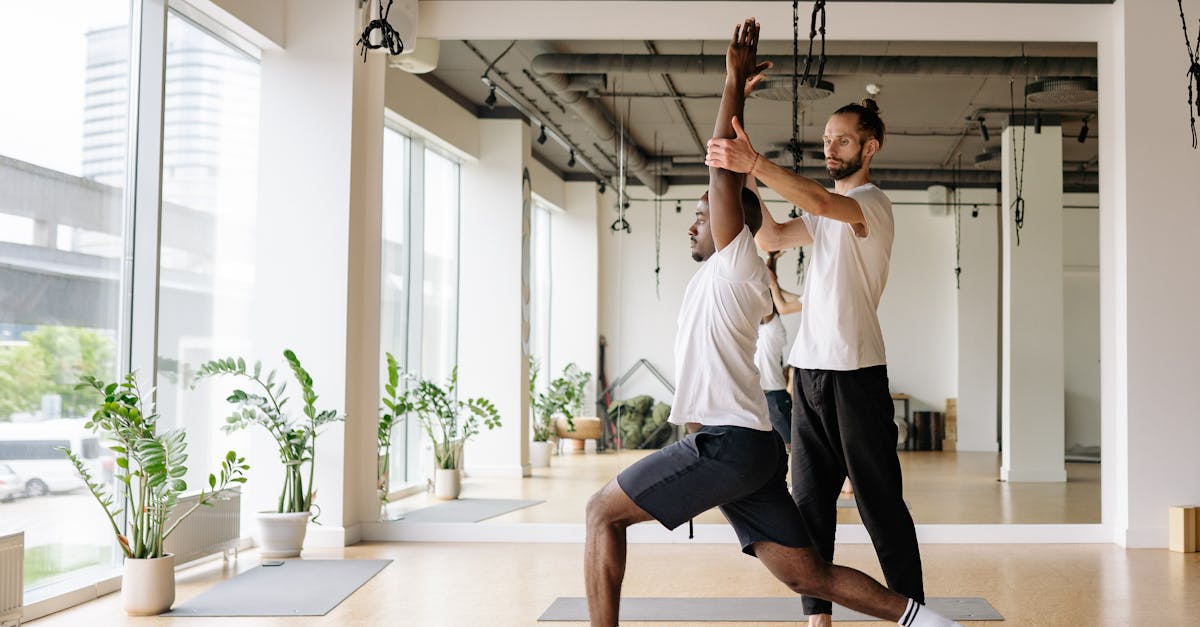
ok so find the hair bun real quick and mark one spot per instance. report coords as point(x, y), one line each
point(870, 105)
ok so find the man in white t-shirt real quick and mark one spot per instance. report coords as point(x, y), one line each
point(842, 418)
point(731, 457)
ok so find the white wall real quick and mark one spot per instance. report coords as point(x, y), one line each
point(979, 323)
point(918, 311)
point(1081, 317)
point(1157, 295)
point(636, 318)
point(575, 295)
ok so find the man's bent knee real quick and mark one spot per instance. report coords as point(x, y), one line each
point(800, 569)
point(610, 506)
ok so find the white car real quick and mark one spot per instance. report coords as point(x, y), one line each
point(11, 484)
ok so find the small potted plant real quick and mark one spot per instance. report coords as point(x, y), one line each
point(449, 422)
point(545, 407)
point(282, 531)
point(396, 405)
point(150, 469)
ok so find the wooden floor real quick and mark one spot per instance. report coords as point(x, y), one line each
point(501, 585)
point(940, 487)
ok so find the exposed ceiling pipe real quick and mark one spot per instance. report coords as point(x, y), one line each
point(552, 63)
point(597, 119)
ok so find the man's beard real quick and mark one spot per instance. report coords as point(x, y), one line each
point(847, 169)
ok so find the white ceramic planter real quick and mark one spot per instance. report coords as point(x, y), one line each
point(148, 585)
point(447, 484)
point(539, 454)
point(281, 535)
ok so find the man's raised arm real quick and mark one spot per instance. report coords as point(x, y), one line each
point(725, 187)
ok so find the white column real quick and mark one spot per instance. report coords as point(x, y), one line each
point(312, 93)
point(979, 322)
point(1033, 424)
point(1149, 293)
point(493, 317)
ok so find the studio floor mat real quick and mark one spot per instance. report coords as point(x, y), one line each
point(466, 510)
point(748, 609)
point(294, 588)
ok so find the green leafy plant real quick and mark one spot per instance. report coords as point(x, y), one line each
point(149, 466)
point(265, 406)
point(562, 397)
point(448, 421)
point(396, 405)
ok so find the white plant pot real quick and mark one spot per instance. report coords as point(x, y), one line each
point(447, 484)
point(539, 454)
point(281, 535)
point(148, 585)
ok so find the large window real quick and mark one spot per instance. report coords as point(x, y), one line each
point(541, 269)
point(64, 131)
point(207, 274)
point(420, 275)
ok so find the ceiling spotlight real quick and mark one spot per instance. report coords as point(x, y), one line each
point(1083, 132)
point(1037, 124)
point(678, 206)
point(571, 161)
point(542, 139)
point(983, 130)
point(491, 99)
point(603, 186)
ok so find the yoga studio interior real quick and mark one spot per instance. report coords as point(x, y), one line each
point(396, 284)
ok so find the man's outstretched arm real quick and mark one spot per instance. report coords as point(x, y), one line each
point(724, 186)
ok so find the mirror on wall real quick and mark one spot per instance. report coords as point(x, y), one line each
point(968, 312)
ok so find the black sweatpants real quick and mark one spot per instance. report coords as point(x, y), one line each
point(842, 426)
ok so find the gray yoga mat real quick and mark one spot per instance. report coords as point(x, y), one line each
point(748, 609)
point(293, 588)
point(466, 510)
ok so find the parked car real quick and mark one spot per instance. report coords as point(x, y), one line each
point(11, 484)
point(32, 451)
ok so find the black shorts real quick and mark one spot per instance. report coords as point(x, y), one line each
point(743, 471)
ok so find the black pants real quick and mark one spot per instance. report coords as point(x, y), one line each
point(779, 409)
point(842, 426)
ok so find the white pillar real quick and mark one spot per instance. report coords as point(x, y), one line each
point(979, 322)
point(322, 113)
point(493, 295)
point(1033, 424)
point(1149, 294)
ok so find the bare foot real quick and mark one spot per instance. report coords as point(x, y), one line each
point(847, 489)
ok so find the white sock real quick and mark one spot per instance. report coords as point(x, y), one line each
point(917, 615)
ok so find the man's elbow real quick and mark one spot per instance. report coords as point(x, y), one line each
point(767, 238)
point(822, 207)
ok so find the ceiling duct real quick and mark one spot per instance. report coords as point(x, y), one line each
point(780, 88)
point(1062, 91)
point(597, 119)
point(834, 65)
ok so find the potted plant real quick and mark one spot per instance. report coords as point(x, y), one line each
point(562, 400)
point(545, 406)
point(150, 469)
point(449, 422)
point(282, 531)
point(396, 405)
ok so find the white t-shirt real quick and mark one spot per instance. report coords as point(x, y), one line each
point(768, 356)
point(716, 382)
point(839, 329)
